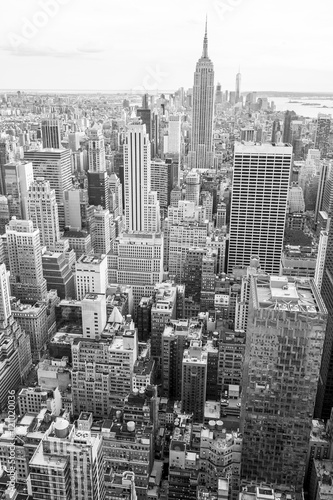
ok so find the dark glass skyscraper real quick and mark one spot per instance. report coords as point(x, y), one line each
point(324, 401)
point(51, 134)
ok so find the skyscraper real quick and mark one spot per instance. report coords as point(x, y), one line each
point(284, 345)
point(96, 150)
point(287, 135)
point(51, 134)
point(203, 108)
point(323, 133)
point(25, 261)
point(259, 204)
point(55, 166)
point(138, 215)
point(194, 380)
point(17, 177)
point(238, 87)
point(43, 212)
point(174, 135)
point(324, 401)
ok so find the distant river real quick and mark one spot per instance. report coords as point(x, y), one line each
point(282, 104)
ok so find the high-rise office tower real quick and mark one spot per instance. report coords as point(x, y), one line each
point(138, 216)
point(43, 212)
point(238, 87)
point(284, 345)
point(51, 137)
point(115, 196)
point(159, 176)
point(93, 315)
point(96, 150)
point(97, 176)
point(55, 166)
point(68, 462)
point(203, 109)
point(194, 380)
point(145, 115)
point(91, 275)
point(14, 345)
point(74, 141)
point(259, 204)
point(57, 270)
point(25, 261)
point(174, 135)
point(76, 207)
point(321, 257)
point(276, 132)
point(137, 260)
point(325, 388)
point(287, 135)
point(17, 177)
point(218, 94)
point(100, 225)
point(192, 190)
point(323, 133)
point(163, 310)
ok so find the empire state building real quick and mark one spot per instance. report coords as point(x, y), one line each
point(201, 154)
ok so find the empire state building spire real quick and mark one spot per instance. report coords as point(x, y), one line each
point(205, 43)
point(201, 154)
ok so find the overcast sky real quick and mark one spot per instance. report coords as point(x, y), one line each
point(153, 44)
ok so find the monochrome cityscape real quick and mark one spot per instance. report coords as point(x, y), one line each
point(166, 293)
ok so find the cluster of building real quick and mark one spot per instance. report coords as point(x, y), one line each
point(166, 297)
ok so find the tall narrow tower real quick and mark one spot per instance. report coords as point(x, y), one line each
point(43, 212)
point(203, 107)
point(141, 212)
point(25, 261)
point(238, 87)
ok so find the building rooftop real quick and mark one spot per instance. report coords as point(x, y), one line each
point(274, 148)
point(279, 293)
point(94, 259)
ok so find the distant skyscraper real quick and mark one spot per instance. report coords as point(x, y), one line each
point(43, 212)
point(323, 134)
point(145, 115)
point(287, 134)
point(259, 205)
point(203, 109)
point(51, 134)
point(284, 344)
point(276, 134)
point(25, 261)
point(140, 215)
point(174, 134)
point(55, 166)
point(238, 87)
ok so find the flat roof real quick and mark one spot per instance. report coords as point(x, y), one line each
point(278, 292)
point(253, 148)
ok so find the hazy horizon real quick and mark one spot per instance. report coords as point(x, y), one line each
point(126, 45)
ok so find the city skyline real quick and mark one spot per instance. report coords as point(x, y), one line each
point(107, 38)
